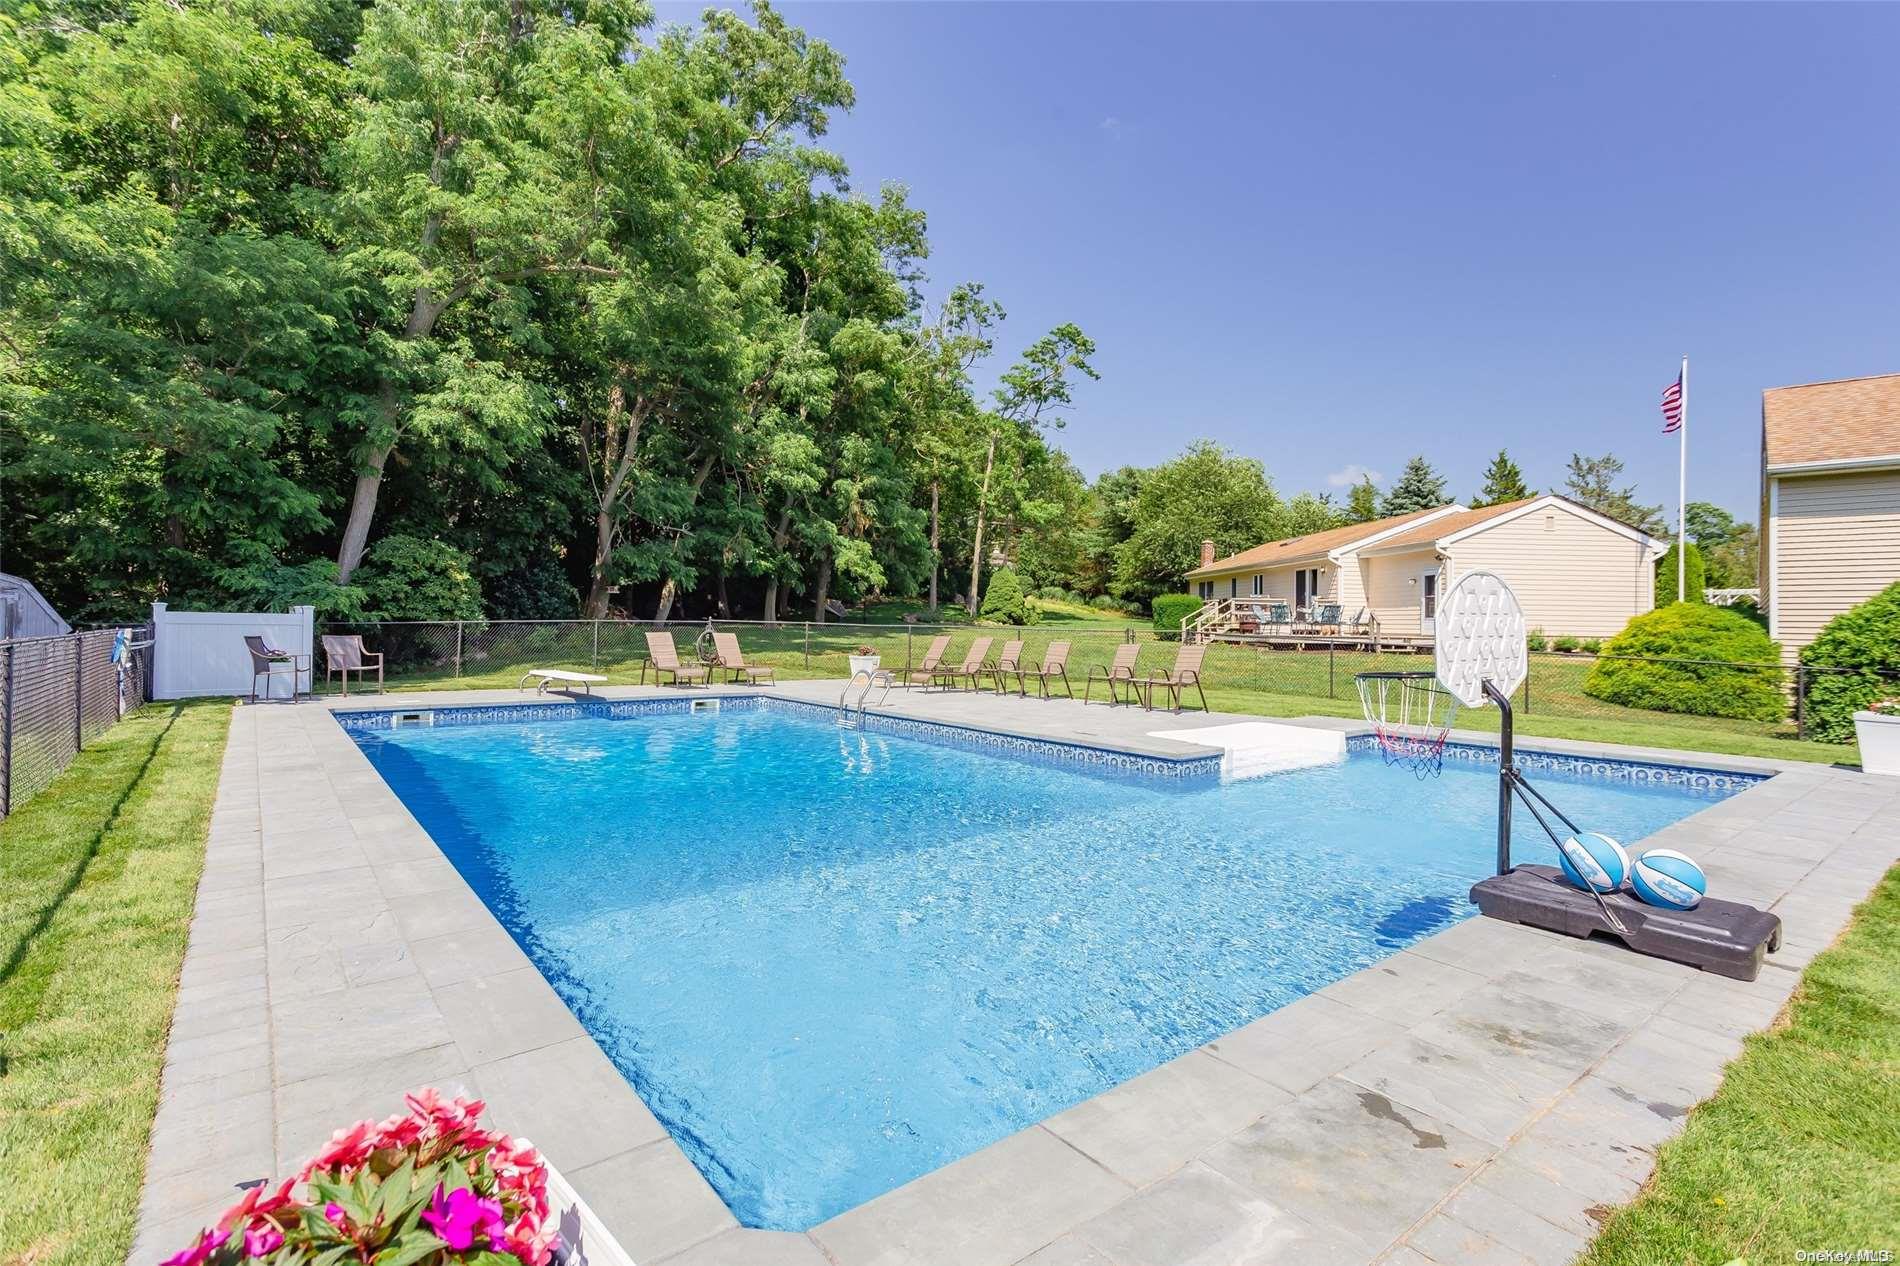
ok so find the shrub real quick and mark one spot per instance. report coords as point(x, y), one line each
point(1003, 601)
point(1054, 593)
point(1102, 602)
point(1170, 609)
point(1590, 645)
point(1536, 641)
point(410, 578)
point(1565, 643)
point(426, 1187)
point(1736, 674)
point(1696, 577)
point(1866, 642)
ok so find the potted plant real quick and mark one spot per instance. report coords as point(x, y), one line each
point(427, 1187)
point(1878, 731)
point(864, 661)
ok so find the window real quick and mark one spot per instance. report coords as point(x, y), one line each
point(1206, 590)
point(1305, 586)
point(1233, 587)
point(1259, 584)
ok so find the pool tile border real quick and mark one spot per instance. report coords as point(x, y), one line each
point(301, 945)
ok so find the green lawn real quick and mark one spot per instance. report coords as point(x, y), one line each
point(1240, 679)
point(101, 868)
point(1800, 1148)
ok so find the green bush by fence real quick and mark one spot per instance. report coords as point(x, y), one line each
point(1865, 642)
point(1170, 609)
point(1695, 659)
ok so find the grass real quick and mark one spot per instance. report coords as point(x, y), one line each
point(101, 868)
point(1800, 1148)
point(1053, 611)
point(1240, 678)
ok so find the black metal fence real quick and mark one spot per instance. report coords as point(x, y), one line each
point(56, 695)
point(1319, 677)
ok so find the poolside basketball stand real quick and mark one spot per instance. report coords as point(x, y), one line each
point(1726, 938)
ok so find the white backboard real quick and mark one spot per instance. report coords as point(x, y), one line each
point(1480, 636)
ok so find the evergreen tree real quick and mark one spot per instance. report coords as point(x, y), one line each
point(1362, 504)
point(1592, 482)
point(1503, 482)
point(1419, 487)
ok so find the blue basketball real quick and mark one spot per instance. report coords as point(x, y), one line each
point(1664, 877)
point(1592, 860)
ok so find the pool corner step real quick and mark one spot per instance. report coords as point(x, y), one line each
point(1252, 749)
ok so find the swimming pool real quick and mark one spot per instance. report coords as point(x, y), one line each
point(832, 960)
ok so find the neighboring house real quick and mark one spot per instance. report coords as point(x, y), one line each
point(1830, 491)
point(1574, 571)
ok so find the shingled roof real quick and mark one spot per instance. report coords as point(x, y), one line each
point(1846, 420)
point(1296, 549)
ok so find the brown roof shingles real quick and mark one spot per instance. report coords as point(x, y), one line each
point(1854, 418)
point(1439, 529)
point(1313, 545)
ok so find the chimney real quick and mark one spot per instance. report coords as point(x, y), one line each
point(1207, 553)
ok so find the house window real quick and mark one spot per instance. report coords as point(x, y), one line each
point(1206, 590)
point(1259, 584)
point(1233, 587)
point(1305, 586)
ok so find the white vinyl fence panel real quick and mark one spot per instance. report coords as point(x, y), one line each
point(203, 653)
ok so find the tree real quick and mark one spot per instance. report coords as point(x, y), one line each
point(1591, 482)
point(1730, 548)
point(1003, 601)
point(1503, 482)
point(1418, 487)
point(1307, 512)
point(1204, 494)
point(1695, 577)
point(1362, 503)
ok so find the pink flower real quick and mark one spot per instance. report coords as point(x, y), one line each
point(457, 1217)
point(346, 1149)
point(334, 1212)
point(257, 1202)
point(262, 1240)
point(200, 1250)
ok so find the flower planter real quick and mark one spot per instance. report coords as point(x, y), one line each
point(863, 664)
point(1879, 735)
point(584, 1241)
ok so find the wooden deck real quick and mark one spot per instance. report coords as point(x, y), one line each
point(1320, 640)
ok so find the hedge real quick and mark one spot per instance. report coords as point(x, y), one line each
point(1697, 577)
point(1720, 684)
point(1865, 640)
point(1169, 610)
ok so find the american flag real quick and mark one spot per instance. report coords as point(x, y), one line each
point(1672, 407)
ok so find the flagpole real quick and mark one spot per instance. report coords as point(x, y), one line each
point(1682, 494)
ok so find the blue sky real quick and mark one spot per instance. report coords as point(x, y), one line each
point(1331, 236)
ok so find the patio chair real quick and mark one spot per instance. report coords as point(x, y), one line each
point(345, 655)
point(1327, 616)
point(1252, 616)
point(974, 664)
point(1010, 660)
point(268, 662)
point(663, 657)
point(1122, 671)
point(1279, 613)
point(1186, 672)
point(1054, 667)
point(926, 671)
point(732, 659)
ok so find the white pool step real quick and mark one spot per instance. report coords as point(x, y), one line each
point(1250, 749)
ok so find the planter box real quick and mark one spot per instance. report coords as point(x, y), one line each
point(1879, 735)
point(863, 664)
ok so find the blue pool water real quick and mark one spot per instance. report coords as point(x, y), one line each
point(831, 961)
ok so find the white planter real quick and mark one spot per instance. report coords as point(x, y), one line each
point(863, 664)
point(1879, 735)
point(584, 1241)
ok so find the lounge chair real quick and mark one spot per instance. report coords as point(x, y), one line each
point(346, 655)
point(974, 665)
point(268, 662)
point(732, 659)
point(1122, 671)
point(1010, 660)
point(1054, 667)
point(560, 680)
point(926, 672)
point(1186, 672)
point(664, 657)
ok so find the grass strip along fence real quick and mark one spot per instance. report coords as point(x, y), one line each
point(1241, 678)
point(101, 870)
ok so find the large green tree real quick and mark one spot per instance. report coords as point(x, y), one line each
point(1592, 481)
point(1503, 483)
point(1204, 494)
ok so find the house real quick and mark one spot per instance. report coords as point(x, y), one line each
point(1830, 491)
point(1574, 571)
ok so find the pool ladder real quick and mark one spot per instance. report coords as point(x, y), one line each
point(872, 680)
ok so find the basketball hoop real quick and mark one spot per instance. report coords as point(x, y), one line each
point(1411, 716)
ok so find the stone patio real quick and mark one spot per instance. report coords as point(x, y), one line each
point(1485, 1096)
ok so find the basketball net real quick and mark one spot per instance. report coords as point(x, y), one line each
point(1411, 717)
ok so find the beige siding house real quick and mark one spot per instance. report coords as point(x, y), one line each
point(1830, 536)
point(1575, 571)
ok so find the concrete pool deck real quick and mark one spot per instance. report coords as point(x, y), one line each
point(1486, 1095)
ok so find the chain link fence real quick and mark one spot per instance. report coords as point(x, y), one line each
point(57, 694)
point(1319, 677)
